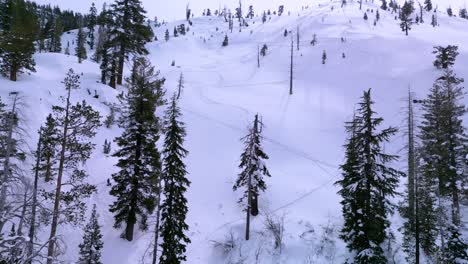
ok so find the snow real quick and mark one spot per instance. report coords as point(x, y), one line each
point(224, 89)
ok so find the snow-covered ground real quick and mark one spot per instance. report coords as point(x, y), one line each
point(303, 133)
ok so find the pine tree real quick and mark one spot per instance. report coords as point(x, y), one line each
point(264, 17)
point(174, 208)
point(139, 159)
point(445, 56)
point(428, 5)
point(324, 57)
point(56, 36)
point(384, 5)
point(444, 138)
point(166, 35)
point(129, 34)
point(77, 124)
point(456, 247)
point(92, 21)
point(253, 168)
point(449, 11)
point(225, 41)
point(49, 141)
point(176, 34)
point(405, 17)
point(17, 41)
point(368, 184)
point(91, 246)
point(80, 50)
point(251, 13)
point(463, 13)
point(365, 16)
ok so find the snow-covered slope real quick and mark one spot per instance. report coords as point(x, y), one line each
point(303, 133)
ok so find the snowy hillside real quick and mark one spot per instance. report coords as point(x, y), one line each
point(303, 134)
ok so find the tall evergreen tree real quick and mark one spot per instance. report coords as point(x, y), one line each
point(443, 149)
point(76, 125)
point(129, 33)
point(92, 21)
point(138, 157)
point(410, 208)
point(17, 40)
point(56, 36)
point(80, 50)
point(253, 168)
point(368, 184)
point(91, 246)
point(174, 208)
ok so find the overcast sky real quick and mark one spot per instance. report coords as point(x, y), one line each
point(175, 9)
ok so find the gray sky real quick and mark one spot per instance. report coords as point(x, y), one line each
point(175, 9)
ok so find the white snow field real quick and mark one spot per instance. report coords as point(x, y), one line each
point(303, 132)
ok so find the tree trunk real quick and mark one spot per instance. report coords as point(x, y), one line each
point(19, 231)
point(120, 67)
point(6, 164)
point(32, 225)
point(254, 204)
point(13, 74)
point(156, 229)
point(58, 191)
point(112, 81)
point(455, 205)
point(129, 231)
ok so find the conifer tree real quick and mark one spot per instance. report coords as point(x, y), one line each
point(17, 40)
point(80, 50)
point(445, 56)
point(174, 207)
point(138, 157)
point(56, 36)
point(251, 13)
point(225, 41)
point(76, 124)
point(264, 17)
point(456, 247)
point(92, 21)
point(428, 5)
point(324, 57)
point(166, 35)
point(368, 184)
point(449, 11)
point(49, 141)
point(463, 13)
point(91, 246)
point(253, 168)
point(405, 17)
point(384, 5)
point(129, 33)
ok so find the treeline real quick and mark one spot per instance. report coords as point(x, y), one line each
point(26, 27)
